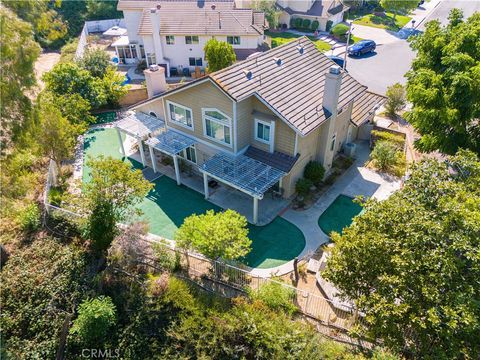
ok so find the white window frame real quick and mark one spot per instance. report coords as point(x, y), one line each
point(271, 125)
point(229, 124)
point(178, 122)
point(184, 155)
point(192, 40)
point(172, 38)
point(233, 39)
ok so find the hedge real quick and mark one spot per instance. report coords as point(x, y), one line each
point(315, 25)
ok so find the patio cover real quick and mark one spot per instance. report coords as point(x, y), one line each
point(121, 41)
point(115, 31)
point(170, 142)
point(139, 125)
point(244, 173)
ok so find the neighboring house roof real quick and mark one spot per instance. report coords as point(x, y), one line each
point(278, 160)
point(320, 8)
point(205, 22)
point(294, 89)
point(174, 4)
point(364, 106)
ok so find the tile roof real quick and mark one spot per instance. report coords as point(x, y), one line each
point(206, 21)
point(364, 106)
point(320, 8)
point(174, 4)
point(278, 160)
point(294, 88)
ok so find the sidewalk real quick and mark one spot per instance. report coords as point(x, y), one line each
point(421, 13)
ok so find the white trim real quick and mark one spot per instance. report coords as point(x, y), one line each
point(223, 181)
point(295, 148)
point(235, 136)
point(184, 155)
point(218, 122)
point(169, 118)
point(265, 123)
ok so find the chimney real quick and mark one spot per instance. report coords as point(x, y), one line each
point(157, 44)
point(333, 80)
point(155, 79)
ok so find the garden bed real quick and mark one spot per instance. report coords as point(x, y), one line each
point(281, 38)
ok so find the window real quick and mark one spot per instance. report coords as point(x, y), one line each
point(217, 126)
point(233, 40)
point(170, 39)
point(191, 39)
point(153, 114)
point(180, 114)
point(142, 51)
point(262, 131)
point(195, 61)
point(190, 154)
point(127, 51)
point(332, 146)
point(151, 59)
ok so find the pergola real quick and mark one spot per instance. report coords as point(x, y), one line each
point(140, 126)
point(243, 173)
point(171, 143)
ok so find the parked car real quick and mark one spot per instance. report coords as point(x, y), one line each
point(362, 47)
point(337, 60)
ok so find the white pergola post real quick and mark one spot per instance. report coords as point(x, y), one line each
point(255, 210)
point(142, 154)
point(121, 142)
point(177, 170)
point(205, 185)
point(152, 156)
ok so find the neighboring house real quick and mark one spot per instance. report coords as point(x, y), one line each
point(320, 10)
point(283, 108)
point(173, 33)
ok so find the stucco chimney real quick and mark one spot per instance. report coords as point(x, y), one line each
point(157, 44)
point(155, 79)
point(333, 80)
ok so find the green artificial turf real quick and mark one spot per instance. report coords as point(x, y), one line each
point(280, 38)
point(339, 215)
point(384, 22)
point(167, 205)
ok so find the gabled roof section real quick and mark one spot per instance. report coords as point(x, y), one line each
point(174, 4)
point(206, 21)
point(320, 8)
point(364, 106)
point(290, 79)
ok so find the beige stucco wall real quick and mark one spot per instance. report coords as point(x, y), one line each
point(155, 106)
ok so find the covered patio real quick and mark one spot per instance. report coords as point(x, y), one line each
point(242, 173)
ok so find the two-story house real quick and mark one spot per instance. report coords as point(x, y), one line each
point(173, 33)
point(257, 123)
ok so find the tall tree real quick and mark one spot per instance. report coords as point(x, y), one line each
point(96, 61)
point(411, 263)
point(444, 85)
point(219, 54)
point(399, 6)
point(221, 235)
point(17, 72)
point(272, 13)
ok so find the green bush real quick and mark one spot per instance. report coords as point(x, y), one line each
point(314, 171)
point(298, 23)
point(398, 140)
point(55, 196)
point(315, 25)
point(328, 27)
point(306, 24)
point(29, 218)
point(292, 22)
point(96, 317)
point(165, 258)
point(339, 30)
point(275, 296)
point(302, 187)
point(384, 154)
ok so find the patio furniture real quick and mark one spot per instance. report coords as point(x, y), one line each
point(186, 72)
point(173, 71)
point(213, 184)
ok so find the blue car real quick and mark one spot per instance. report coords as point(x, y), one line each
point(362, 47)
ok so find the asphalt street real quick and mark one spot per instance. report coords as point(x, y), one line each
point(392, 59)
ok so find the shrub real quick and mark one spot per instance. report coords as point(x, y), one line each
point(95, 319)
point(340, 31)
point(396, 99)
point(29, 218)
point(314, 171)
point(384, 155)
point(315, 25)
point(306, 24)
point(328, 26)
point(165, 258)
point(292, 22)
point(302, 187)
point(298, 23)
point(398, 140)
point(275, 296)
point(55, 196)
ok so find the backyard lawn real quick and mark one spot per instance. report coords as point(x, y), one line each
point(384, 22)
point(339, 215)
point(167, 205)
point(280, 38)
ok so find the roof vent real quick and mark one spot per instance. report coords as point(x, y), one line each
point(278, 61)
point(334, 69)
point(159, 6)
point(300, 49)
point(248, 74)
point(213, 7)
point(153, 11)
